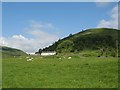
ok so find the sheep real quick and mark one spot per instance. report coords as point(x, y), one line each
point(27, 57)
point(59, 58)
point(30, 59)
point(69, 57)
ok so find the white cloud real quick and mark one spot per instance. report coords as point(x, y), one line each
point(40, 25)
point(40, 38)
point(19, 37)
point(102, 4)
point(112, 22)
point(2, 41)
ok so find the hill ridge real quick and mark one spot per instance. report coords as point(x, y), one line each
point(11, 52)
point(92, 39)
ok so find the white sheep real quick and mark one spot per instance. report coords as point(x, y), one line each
point(59, 58)
point(69, 57)
point(30, 59)
point(27, 57)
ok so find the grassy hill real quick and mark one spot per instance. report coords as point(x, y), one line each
point(8, 52)
point(101, 40)
point(60, 71)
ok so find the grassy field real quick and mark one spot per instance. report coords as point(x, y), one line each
point(60, 72)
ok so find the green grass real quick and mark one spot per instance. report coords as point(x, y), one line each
point(53, 72)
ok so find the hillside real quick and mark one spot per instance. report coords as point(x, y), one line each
point(8, 52)
point(102, 40)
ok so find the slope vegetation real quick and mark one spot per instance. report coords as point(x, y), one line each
point(102, 40)
point(8, 52)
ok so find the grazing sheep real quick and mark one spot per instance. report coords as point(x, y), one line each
point(27, 57)
point(69, 57)
point(59, 58)
point(30, 59)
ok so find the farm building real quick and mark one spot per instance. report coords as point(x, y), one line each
point(48, 53)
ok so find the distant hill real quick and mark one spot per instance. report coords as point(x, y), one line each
point(8, 52)
point(103, 40)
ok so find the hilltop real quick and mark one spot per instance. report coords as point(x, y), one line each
point(8, 51)
point(103, 41)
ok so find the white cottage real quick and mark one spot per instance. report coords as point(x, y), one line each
point(48, 53)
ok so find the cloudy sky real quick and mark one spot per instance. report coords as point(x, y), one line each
point(29, 26)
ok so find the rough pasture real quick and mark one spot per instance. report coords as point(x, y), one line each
point(60, 72)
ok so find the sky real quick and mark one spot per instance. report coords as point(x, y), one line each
point(32, 25)
point(60, 0)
